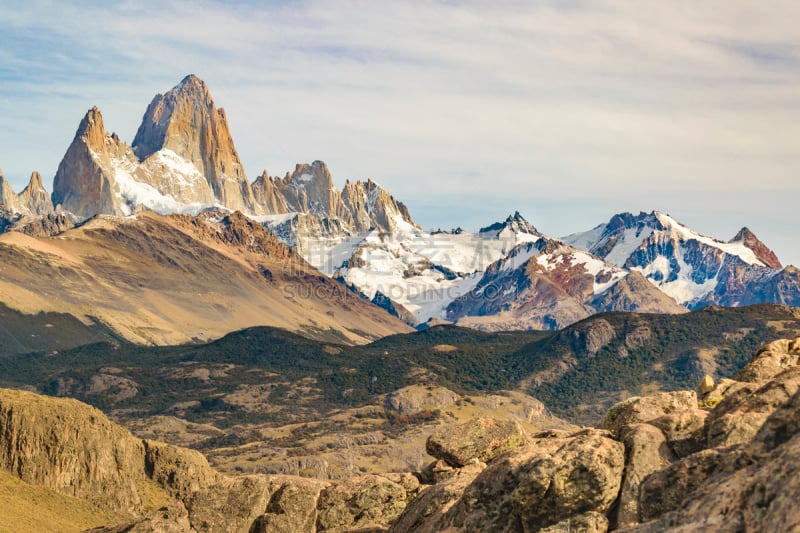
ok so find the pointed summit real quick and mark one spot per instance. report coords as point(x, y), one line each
point(34, 198)
point(8, 197)
point(91, 129)
point(84, 183)
point(513, 225)
point(186, 122)
point(764, 254)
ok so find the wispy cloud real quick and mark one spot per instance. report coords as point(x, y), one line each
point(609, 105)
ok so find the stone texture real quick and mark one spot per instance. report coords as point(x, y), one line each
point(738, 417)
point(771, 360)
point(590, 522)
point(684, 430)
point(170, 519)
point(427, 511)
point(180, 471)
point(647, 408)
point(70, 447)
point(667, 489)
point(480, 439)
point(646, 451)
point(364, 502)
point(257, 503)
point(537, 486)
point(753, 487)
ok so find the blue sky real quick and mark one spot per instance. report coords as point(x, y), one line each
point(568, 111)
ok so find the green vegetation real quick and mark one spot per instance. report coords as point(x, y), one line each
point(267, 375)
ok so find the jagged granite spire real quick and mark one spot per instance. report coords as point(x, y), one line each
point(186, 122)
point(34, 198)
point(84, 183)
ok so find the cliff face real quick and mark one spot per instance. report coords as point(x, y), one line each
point(186, 122)
point(70, 447)
point(85, 183)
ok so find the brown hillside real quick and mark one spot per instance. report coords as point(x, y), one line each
point(174, 279)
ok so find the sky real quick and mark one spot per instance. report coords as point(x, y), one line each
point(568, 111)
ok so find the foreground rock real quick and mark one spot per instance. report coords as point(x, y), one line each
point(647, 408)
point(72, 448)
point(481, 439)
point(750, 488)
point(553, 479)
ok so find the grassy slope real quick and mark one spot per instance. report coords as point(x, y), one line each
point(25, 508)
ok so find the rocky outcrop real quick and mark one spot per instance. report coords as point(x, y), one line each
point(268, 196)
point(180, 471)
point(44, 225)
point(414, 399)
point(739, 416)
point(646, 408)
point(646, 451)
point(323, 211)
point(555, 478)
point(428, 511)
point(34, 199)
point(365, 503)
point(257, 503)
point(771, 360)
point(8, 197)
point(480, 439)
point(72, 448)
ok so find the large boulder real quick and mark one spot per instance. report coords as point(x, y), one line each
point(738, 417)
point(537, 486)
point(646, 451)
point(181, 472)
point(646, 408)
point(427, 511)
point(479, 439)
point(752, 487)
point(666, 489)
point(257, 503)
point(365, 502)
point(414, 399)
point(771, 360)
point(684, 430)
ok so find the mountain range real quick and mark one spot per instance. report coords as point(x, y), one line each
point(165, 238)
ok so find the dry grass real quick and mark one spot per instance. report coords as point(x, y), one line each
point(25, 508)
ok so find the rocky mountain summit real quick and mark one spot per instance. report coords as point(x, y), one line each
point(33, 200)
point(182, 160)
point(693, 269)
point(725, 459)
point(548, 285)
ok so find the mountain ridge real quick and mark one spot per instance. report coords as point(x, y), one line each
point(183, 160)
